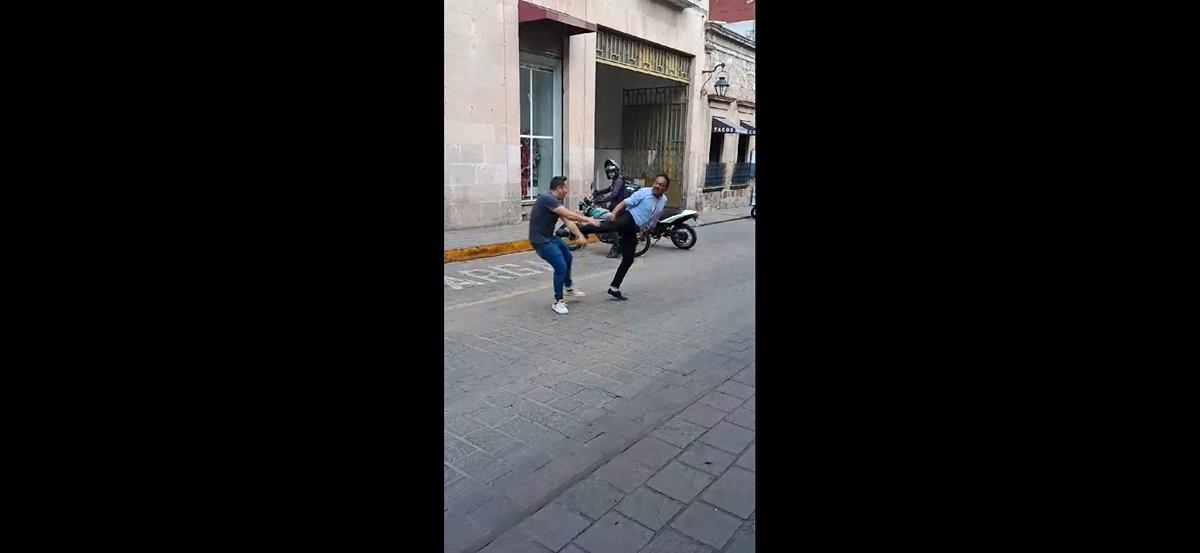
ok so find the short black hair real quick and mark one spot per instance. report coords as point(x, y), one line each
point(666, 178)
point(557, 182)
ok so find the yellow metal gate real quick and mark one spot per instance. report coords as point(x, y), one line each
point(653, 123)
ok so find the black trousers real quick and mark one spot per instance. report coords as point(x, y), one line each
point(624, 226)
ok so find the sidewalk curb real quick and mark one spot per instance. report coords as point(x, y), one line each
point(493, 250)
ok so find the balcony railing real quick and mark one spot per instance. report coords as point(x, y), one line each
point(742, 174)
point(714, 175)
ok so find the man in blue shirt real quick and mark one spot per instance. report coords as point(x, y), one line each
point(632, 216)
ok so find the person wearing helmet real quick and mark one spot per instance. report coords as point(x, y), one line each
point(617, 187)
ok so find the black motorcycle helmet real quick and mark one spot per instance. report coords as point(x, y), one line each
point(611, 169)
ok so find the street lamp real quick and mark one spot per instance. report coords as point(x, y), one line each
point(722, 85)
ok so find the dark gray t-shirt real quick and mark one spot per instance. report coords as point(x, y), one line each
point(542, 218)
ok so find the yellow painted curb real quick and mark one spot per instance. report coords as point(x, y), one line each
point(492, 250)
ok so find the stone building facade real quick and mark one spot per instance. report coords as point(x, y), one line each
point(520, 97)
point(729, 171)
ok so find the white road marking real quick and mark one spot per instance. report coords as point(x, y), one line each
point(521, 292)
point(485, 274)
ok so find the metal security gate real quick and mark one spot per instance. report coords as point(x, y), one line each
point(653, 123)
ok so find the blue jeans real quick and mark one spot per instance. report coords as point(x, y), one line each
point(556, 253)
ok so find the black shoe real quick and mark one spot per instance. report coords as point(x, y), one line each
point(613, 253)
point(616, 294)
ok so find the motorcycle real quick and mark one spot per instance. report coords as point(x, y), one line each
point(673, 224)
point(590, 208)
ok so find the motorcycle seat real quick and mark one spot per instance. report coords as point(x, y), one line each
point(669, 212)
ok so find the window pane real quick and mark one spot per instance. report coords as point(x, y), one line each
point(525, 100)
point(542, 160)
point(543, 103)
point(525, 168)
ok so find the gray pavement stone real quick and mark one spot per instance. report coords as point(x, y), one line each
point(566, 404)
point(531, 434)
point(702, 415)
point(496, 512)
point(678, 432)
point(460, 425)
point(448, 474)
point(743, 540)
point(671, 541)
point(706, 458)
point(553, 526)
point(491, 415)
point(746, 376)
point(482, 467)
point(750, 403)
point(652, 452)
point(488, 440)
point(454, 448)
point(707, 524)
point(736, 389)
point(721, 401)
point(729, 437)
point(543, 395)
point(746, 461)
point(614, 534)
point(458, 532)
point(733, 492)
point(652, 509)
point(514, 542)
point(680, 481)
point(568, 388)
point(624, 474)
point(456, 488)
point(592, 497)
point(742, 417)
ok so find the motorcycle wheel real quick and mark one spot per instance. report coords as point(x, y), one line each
point(644, 247)
point(684, 236)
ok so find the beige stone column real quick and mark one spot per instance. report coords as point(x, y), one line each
point(579, 113)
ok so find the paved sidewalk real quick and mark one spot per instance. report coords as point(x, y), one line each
point(687, 487)
point(483, 236)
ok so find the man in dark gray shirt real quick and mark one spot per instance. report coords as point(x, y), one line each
point(542, 217)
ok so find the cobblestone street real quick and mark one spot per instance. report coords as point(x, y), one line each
point(620, 427)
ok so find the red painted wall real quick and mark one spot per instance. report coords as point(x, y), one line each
point(731, 11)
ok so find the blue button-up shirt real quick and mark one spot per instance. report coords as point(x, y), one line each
point(642, 210)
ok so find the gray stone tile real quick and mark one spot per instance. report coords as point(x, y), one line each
point(456, 488)
point(746, 376)
point(678, 432)
point(448, 474)
point(514, 542)
point(733, 492)
point(706, 458)
point(671, 541)
point(530, 433)
point(568, 388)
point(553, 526)
point(592, 497)
point(614, 534)
point(572, 548)
point(565, 404)
point(721, 401)
point(742, 417)
point(649, 507)
point(460, 425)
point(543, 395)
point(736, 389)
point(488, 440)
point(706, 524)
point(624, 474)
point(496, 512)
point(702, 415)
point(743, 539)
point(491, 415)
point(750, 403)
point(729, 437)
point(651, 451)
point(454, 448)
point(482, 467)
point(680, 481)
point(746, 461)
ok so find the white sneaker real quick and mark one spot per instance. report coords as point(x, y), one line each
point(560, 307)
point(574, 293)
